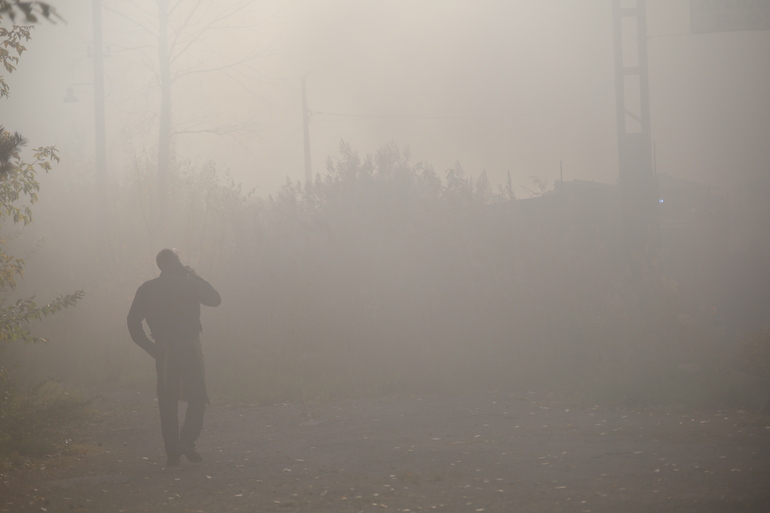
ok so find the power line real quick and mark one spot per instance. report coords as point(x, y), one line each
point(350, 117)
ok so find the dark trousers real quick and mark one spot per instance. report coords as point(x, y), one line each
point(181, 377)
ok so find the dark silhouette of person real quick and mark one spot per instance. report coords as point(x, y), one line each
point(170, 304)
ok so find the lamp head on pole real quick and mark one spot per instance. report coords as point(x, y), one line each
point(70, 97)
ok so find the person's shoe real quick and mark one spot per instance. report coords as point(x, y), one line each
point(173, 457)
point(191, 454)
point(173, 460)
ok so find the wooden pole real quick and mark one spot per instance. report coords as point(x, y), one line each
point(306, 136)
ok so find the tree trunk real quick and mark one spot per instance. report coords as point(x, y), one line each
point(164, 128)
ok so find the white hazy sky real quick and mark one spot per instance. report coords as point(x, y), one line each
point(494, 85)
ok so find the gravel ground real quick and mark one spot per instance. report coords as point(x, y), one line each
point(485, 451)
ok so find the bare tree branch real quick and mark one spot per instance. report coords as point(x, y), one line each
point(203, 32)
point(143, 27)
point(182, 27)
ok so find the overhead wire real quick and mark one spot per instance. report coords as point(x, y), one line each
point(349, 117)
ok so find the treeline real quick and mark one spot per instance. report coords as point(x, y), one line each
point(382, 277)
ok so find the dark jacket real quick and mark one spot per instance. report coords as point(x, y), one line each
point(170, 304)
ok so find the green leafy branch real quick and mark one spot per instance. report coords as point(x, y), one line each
point(16, 318)
point(19, 177)
point(18, 180)
point(11, 48)
point(29, 10)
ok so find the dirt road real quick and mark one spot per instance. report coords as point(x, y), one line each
point(481, 452)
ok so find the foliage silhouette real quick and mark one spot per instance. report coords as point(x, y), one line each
point(26, 416)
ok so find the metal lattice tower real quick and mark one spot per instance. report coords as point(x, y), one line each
point(636, 175)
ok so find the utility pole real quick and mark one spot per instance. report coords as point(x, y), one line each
point(100, 139)
point(636, 176)
point(306, 136)
point(165, 79)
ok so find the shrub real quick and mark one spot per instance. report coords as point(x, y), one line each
point(381, 277)
point(34, 420)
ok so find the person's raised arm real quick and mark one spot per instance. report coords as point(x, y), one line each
point(207, 295)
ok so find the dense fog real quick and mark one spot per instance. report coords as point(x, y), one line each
point(462, 228)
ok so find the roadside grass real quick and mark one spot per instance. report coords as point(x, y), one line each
point(623, 367)
point(35, 421)
point(665, 378)
point(389, 278)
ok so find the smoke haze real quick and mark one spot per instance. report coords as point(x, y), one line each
point(411, 262)
point(497, 86)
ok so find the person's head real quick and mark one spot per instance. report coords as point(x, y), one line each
point(168, 260)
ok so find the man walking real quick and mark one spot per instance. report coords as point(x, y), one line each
point(170, 304)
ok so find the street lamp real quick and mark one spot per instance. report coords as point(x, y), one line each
point(100, 141)
point(70, 96)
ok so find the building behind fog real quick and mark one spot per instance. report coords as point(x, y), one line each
point(693, 239)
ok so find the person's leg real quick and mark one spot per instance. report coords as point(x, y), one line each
point(194, 385)
point(191, 430)
point(168, 401)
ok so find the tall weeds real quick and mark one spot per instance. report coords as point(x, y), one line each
point(383, 277)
